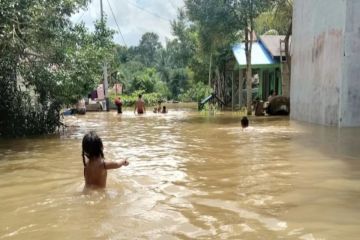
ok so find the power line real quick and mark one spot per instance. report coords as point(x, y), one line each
point(116, 22)
point(149, 12)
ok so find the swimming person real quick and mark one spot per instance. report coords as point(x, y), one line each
point(164, 110)
point(95, 166)
point(140, 105)
point(244, 122)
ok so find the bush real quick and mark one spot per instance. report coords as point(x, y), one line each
point(129, 100)
point(19, 117)
point(196, 93)
point(144, 80)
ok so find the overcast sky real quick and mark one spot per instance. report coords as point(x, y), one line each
point(135, 17)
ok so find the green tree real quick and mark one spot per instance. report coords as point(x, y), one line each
point(178, 81)
point(183, 48)
point(279, 18)
point(196, 92)
point(214, 27)
point(148, 48)
point(164, 65)
point(123, 55)
point(145, 80)
point(269, 22)
point(244, 13)
point(283, 12)
point(45, 62)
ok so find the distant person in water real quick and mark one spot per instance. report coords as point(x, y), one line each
point(159, 106)
point(164, 110)
point(244, 122)
point(140, 105)
point(118, 104)
point(81, 106)
point(95, 166)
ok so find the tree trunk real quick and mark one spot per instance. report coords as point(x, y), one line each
point(248, 47)
point(223, 87)
point(217, 84)
point(286, 80)
point(241, 83)
point(248, 84)
point(232, 92)
point(210, 70)
point(287, 66)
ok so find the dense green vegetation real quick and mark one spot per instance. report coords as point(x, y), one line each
point(130, 99)
point(47, 62)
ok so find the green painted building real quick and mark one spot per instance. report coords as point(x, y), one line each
point(265, 62)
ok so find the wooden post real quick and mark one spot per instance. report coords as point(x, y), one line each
point(261, 82)
point(232, 91)
point(210, 70)
point(105, 75)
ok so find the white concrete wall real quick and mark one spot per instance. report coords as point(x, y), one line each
point(317, 44)
point(350, 94)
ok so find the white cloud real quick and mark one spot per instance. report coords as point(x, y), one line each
point(135, 17)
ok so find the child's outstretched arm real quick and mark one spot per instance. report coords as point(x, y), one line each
point(114, 165)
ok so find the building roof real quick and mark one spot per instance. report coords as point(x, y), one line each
point(259, 55)
point(272, 43)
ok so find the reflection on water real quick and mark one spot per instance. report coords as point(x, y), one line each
point(191, 176)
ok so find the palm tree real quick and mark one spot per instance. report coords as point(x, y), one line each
point(283, 10)
point(163, 64)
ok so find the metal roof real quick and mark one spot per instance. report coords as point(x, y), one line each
point(259, 55)
point(272, 43)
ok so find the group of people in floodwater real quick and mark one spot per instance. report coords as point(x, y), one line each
point(159, 109)
point(140, 106)
point(95, 166)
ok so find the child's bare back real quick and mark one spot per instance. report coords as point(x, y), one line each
point(95, 167)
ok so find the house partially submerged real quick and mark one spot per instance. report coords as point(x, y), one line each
point(267, 58)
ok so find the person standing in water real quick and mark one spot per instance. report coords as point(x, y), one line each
point(95, 166)
point(118, 104)
point(140, 105)
point(164, 110)
point(159, 106)
point(244, 122)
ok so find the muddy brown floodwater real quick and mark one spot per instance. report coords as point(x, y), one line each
point(191, 176)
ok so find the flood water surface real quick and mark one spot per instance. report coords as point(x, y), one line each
point(191, 176)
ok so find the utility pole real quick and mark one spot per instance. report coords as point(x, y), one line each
point(105, 75)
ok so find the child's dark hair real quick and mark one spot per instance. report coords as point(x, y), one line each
point(92, 146)
point(244, 122)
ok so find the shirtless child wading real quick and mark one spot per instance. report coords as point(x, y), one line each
point(95, 167)
point(140, 105)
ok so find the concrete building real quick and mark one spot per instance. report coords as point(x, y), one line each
point(325, 81)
